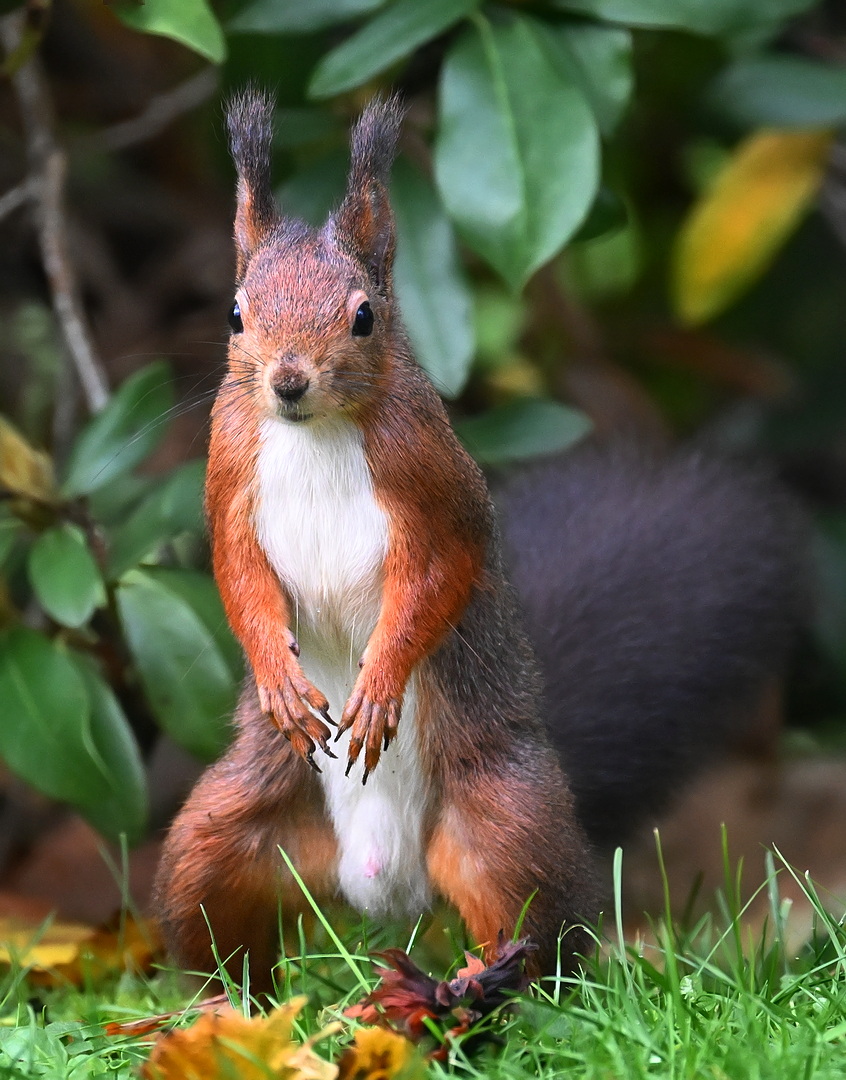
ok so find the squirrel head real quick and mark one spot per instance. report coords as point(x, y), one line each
point(313, 317)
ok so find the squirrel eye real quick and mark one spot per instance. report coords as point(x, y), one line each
point(363, 321)
point(234, 319)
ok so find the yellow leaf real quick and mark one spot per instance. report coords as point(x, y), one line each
point(23, 469)
point(71, 952)
point(378, 1054)
point(59, 943)
point(221, 1046)
point(735, 229)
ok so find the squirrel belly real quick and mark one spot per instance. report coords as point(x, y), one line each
point(326, 538)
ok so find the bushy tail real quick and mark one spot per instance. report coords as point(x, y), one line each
point(662, 597)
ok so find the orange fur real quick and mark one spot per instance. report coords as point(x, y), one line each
point(436, 549)
point(221, 857)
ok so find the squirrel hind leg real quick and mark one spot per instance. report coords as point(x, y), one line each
point(222, 879)
point(478, 859)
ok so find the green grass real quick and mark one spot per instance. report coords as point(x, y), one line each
point(699, 1002)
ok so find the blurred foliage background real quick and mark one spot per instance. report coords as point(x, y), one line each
point(612, 214)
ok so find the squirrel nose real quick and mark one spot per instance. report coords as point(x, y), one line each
point(291, 387)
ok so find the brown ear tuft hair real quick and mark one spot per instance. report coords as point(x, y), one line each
point(374, 142)
point(365, 219)
point(249, 120)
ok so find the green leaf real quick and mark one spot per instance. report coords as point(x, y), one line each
point(123, 434)
point(525, 428)
point(517, 153)
point(121, 808)
point(296, 127)
point(65, 576)
point(190, 22)
point(781, 91)
point(390, 36)
point(598, 59)
point(500, 318)
point(200, 593)
point(699, 16)
point(173, 508)
point(112, 503)
point(61, 733)
point(607, 215)
point(313, 192)
point(433, 294)
point(185, 673)
point(10, 529)
point(45, 709)
point(297, 16)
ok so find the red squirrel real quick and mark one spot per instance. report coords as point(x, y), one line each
point(354, 546)
point(357, 554)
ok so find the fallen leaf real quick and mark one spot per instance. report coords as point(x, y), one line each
point(220, 1046)
point(62, 952)
point(148, 1024)
point(378, 1054)
point(735, 229)
point(413, 1003)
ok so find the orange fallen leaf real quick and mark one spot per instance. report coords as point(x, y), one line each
point(220, 1046)
point(378, 1054)
point(414, 1004)
point(72, 952)
point(146, 1025)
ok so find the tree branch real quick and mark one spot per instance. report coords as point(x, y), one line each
point(47, 167)
point(159, 112)
point(15, 198)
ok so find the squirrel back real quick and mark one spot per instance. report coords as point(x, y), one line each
point(662, 595)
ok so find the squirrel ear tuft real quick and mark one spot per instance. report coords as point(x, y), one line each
point(365, 219)
point(249, 119)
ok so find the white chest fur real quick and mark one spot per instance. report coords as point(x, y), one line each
point(326, 537)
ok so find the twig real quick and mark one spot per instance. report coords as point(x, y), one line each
point(15, 198)
point(47, 164)
point(837, 158)
point(609, 394)
point(160, 111)
point(833, 207)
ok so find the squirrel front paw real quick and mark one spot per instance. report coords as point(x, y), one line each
point(374, 724)
point(289, 705)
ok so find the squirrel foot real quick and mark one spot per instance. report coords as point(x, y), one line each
point(374, 727)
point(291, 706)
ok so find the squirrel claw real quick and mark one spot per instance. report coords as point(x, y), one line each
point(350, 764)
point(364, 776)
point(373, 725)
point(295, 708)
